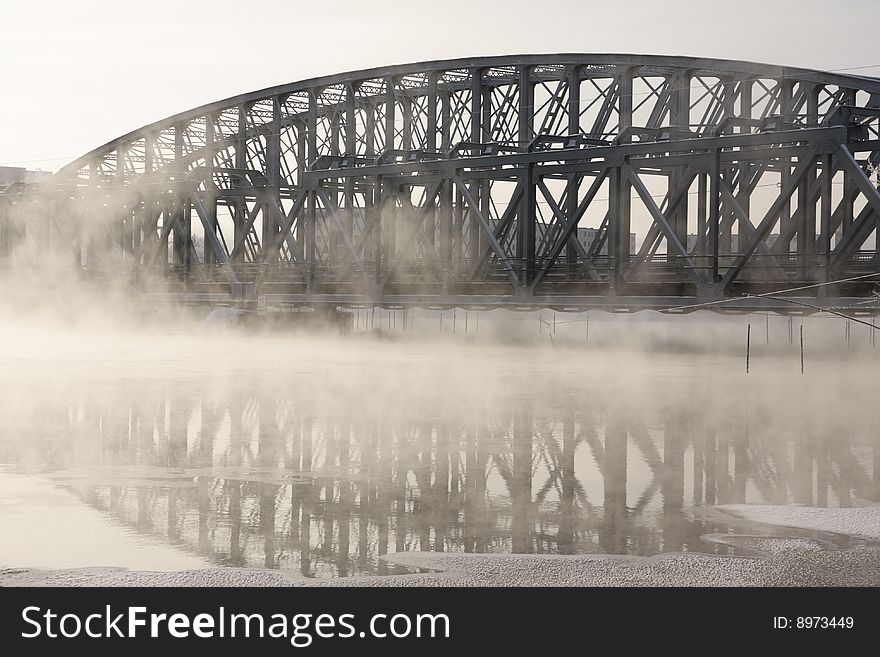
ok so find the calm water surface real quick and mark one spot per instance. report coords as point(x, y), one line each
point(320, 456)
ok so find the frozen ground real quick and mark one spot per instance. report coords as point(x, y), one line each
point(792, 563)
point(861, 522)
point(788, 561)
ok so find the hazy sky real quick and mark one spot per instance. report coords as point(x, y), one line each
point(78, 74)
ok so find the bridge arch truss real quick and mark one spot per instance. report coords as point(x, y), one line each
point(569, 180)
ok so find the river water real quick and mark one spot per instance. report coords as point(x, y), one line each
point(318, 456)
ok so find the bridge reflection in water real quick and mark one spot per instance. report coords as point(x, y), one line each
point(262, 472)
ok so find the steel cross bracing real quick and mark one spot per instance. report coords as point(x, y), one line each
point(471, 182)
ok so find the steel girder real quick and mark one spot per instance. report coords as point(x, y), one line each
point(474, 179)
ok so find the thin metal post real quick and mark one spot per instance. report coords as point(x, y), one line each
point(802, 348)
point(748, 344)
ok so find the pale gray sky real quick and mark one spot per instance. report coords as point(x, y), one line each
point(78, 74)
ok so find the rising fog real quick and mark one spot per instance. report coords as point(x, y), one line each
point(319, 447)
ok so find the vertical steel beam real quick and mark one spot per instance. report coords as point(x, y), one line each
point(149, 206)
point(390, 106)
point(446, 228)
point(714, 216)
point(458, 231)
point(373, 207)
point(527, 221)
point(806, 227)
point(239, 215)
point(210, 196)
point(431, 127)
point(372, 199)
point(571, 190)
point(446, 120)
point(273, 174)
point(786, 90)
point(827, 180)
point(181, 218)
point(679, 119)
point(700, 250)
point(744, 172)
point(486, 121)
point(615, 183)
point(311, 251)
point(527, 226)
point(350, 152)
point(334, 234)
point(406, 105)
point(620, 244)
point(389, 218)
point(121, 231)
point(479, 189)
point(625, 99)
point(526, 109)
point(813, 105)
point(806, 212)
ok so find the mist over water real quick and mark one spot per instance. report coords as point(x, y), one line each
point(318, 452)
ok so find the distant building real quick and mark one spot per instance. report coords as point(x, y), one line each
point(586, 236)
point(20, 175)
point(734, 243)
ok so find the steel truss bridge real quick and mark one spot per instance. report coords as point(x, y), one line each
point(472, 182)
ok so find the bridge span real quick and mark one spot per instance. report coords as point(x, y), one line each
point(570, 181)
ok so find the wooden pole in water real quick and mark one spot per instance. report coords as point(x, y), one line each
point(802, 348)
point(790, 326)
point(767, 324)
point(588, 327)
point(465, 322)
point(748, 344)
